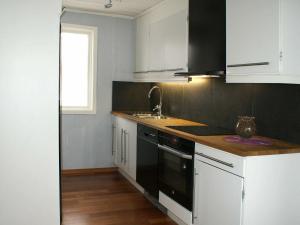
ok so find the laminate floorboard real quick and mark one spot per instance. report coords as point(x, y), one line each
point(107, 199)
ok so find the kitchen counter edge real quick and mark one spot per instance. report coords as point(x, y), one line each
point(217, 142)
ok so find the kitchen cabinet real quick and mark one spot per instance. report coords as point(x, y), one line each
point(142, 43)
point(161, 41)
point(175, 41)
point(114, 140)
point(262, 41)
point(126, 136)
point(157, 42)
point(254, 190)
point(118, 142)
point(218, 194)
point(168, 43)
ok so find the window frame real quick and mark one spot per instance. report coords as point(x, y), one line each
point(92, 33)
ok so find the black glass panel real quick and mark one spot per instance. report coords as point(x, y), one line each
point(176, 178)
point(147, 160)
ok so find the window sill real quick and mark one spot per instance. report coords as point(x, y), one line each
point(78, 112)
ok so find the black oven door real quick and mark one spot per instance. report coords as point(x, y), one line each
point(176, 175)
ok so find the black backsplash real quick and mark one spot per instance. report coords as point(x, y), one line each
point(130, 96)
point(212, 101)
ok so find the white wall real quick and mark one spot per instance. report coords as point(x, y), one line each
point(86, 139)
point(29, 75)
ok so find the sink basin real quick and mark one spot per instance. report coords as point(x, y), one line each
point(149, 116)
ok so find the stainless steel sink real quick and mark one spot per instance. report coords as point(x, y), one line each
point(149, 116)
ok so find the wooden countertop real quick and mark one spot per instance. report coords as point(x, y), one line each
point(218, 142)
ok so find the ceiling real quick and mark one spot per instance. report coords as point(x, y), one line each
point(129, 8)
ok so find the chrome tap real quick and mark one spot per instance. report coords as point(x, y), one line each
point(157, 107)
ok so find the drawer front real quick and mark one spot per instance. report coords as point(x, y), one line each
point(223, 160)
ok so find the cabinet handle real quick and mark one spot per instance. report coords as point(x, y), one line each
point(216, 160)
point(122, 133)
point(141, 72)
point(113, 139)
point(157, 71)
point(125, 145)
point(174, 70)
point(249, 64)
point(194, 215)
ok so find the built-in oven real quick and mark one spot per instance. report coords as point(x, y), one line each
point(176, 168)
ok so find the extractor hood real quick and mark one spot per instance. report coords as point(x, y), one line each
point(207, 38)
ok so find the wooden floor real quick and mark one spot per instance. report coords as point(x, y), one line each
point(106, 199)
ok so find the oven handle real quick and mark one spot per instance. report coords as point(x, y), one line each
point(175, 152)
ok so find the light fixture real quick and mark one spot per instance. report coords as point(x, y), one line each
point(108, 4)
point(190, 76)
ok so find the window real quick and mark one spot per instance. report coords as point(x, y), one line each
point(78, 69)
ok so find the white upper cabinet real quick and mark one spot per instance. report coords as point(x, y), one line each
point(253, 37)
point(162, 41)
point(176, 41)
point(262, 43)
point(168, 43)
point(157, 44)
point(142, 40)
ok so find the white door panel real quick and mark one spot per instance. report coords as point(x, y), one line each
point(157, 40)
point(253, 36)
point(176, 41)
point(218, 196)
point(142, 43)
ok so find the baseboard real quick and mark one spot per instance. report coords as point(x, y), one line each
point(86, 172)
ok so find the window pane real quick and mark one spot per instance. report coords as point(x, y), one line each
point(75, 60)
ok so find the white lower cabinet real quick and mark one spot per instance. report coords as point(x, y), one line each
point(125, 138)
point(114, 140)
point(254, 190)
point(218, 195)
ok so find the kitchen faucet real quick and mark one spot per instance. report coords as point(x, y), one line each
point(157, 107)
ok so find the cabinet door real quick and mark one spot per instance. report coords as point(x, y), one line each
point(119, 143)
point(126, 138)
point(114, 140)
point(168, 43)
point(175, 42)
point(130, 141)
point(253, 33)
point(142, 43)
point(125, 150)
point(132, 149)
point(157, 42)
point(218, 196)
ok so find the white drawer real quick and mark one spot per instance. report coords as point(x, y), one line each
point(223, 160)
